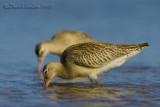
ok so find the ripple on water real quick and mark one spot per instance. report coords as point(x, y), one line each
point(119, 88)
point(138, 87)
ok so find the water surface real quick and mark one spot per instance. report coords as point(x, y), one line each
point(136, 83)
point(124, 86)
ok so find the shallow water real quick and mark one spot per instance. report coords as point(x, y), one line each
point(124, 86)
point(136, 83)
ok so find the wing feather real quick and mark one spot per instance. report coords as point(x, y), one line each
point(94, 54)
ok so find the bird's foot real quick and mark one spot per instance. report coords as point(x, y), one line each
point(94, 85)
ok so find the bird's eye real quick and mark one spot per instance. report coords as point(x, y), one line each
point(45, 72)
point(41, 52)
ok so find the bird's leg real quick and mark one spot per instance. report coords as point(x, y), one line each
point(97, 83)
point(92, 83)
point(92, 79)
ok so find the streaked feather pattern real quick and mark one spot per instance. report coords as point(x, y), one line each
point(94, 54)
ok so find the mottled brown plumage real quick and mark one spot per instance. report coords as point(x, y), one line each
point(90, 59)
point(97, 54)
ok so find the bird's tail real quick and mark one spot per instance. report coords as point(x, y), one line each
point(143, 46)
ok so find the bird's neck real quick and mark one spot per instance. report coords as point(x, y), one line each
point(54, 48)
point(61, 71)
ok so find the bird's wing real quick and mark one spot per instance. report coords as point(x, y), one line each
point(96, 54)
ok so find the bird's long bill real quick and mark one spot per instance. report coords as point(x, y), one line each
point(46, 83)
point(40, 61)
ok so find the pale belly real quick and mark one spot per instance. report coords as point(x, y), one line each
point(79, 71)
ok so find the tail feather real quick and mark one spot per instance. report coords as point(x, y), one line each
point(143, 45)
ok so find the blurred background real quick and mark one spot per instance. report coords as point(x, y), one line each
point(113, 21)
point(24, 23)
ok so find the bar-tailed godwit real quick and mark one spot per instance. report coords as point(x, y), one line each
point(89, 60)
point(59, 43)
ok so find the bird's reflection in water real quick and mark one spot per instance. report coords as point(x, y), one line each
point(139, 89)
point(107, 94)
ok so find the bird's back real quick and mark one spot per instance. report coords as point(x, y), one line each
point(72, 37)
point(95, 55)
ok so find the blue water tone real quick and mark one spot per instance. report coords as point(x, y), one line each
point(24, 23)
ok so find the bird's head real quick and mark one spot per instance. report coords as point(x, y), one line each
point(41, 51)
point(49, 72)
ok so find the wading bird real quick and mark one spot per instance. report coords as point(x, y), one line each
point(59, 43)
point(89, 60)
